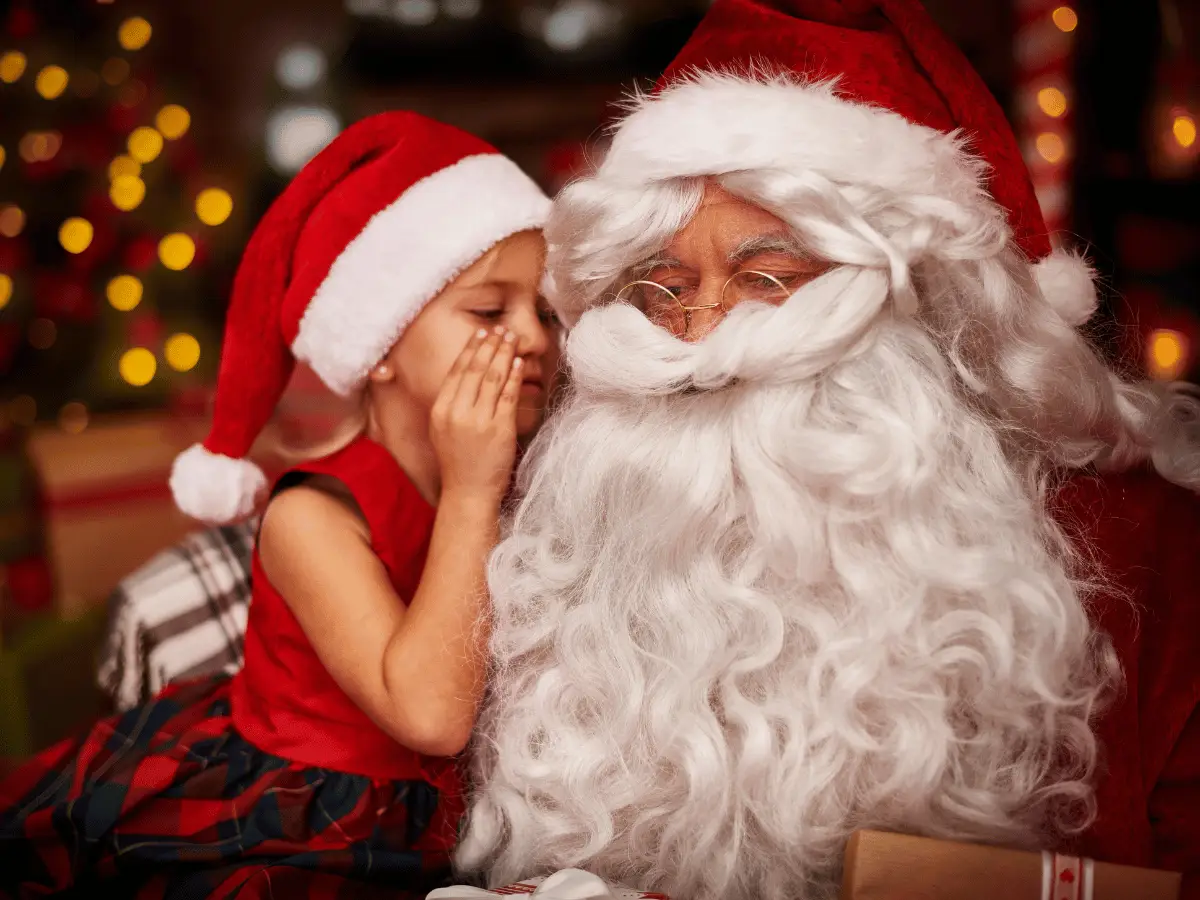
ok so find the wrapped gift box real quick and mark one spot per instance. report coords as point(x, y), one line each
point(883, 866)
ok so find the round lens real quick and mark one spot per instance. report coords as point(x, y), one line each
point(756, 287)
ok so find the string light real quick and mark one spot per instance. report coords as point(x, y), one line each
point(1052, 102)
point(51, 81)
point(134, 33)
point(124, 293)
point(1065, 19)
point(145, 144)
point(114, 71)
point(127, 192)
point(73, 417)
point(1167, 356)
point(173, 121)
point(137, 366)
point(6, 289)
point(182, 352)
point(23, 410)
point(176, 251)
point(12, 66)
point(12, 220)
point(76, 234)
point(124, 165)
point(1183, 128)
point(213, 206)
point(1051, 147)
point(42, 334)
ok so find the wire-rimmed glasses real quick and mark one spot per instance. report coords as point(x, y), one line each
point(672, 307)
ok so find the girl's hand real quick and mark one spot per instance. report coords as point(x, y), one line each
point(473, 424)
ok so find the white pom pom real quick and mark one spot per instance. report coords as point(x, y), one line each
point(1066, 281)
point(216, 489)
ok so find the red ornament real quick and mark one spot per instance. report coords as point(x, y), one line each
point(29, 583)
point(141, 253)
point(22, 22)
point(63, 295)
point(1067, 875)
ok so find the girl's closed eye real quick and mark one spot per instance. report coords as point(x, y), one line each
point(488, 315)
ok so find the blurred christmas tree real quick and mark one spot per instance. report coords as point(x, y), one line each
point(113, 261)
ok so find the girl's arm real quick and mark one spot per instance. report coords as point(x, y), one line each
point(419, 671)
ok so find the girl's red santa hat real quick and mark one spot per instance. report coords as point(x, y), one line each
point(365, 235)
point(862, 92)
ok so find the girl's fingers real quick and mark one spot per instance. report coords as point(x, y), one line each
point(472, 375)
point(497, 374)
point(450, 386)
point(510, 394)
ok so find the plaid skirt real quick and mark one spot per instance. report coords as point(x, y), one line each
point(169, 801)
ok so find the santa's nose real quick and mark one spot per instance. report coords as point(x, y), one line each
point(702, 321)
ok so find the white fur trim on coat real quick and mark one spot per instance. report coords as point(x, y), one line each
point(1067, 282)
point(711, 123)
point(405, 255)
point(214, 488)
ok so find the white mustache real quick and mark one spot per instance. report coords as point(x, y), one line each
point(615, 349)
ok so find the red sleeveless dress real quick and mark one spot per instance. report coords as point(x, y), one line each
point(272, 783)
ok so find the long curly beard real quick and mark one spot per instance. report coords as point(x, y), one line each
point(768, 589)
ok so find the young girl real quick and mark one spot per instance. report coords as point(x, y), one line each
point(404, 262)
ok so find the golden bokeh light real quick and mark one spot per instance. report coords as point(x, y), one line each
point(1052, 101)
point(124, 165)
point(134, 33)
point(173, 121)
point(42, 334)
point(127, 192)
point(124, 293)
point(12, 220)
point(40, 146)
point(1183, 128)
point(1065, 19)
point(137, 366)
point(114, 71)
point(12, 66)
point(213, 206)
point(182, 352)
point(176, 251)
point(73, 418)
point(145, 144)
point(76, 234)
point(3, 156)
point(1051, 147)
point(23, 410)
point(51, 81)
point(6, 289)
point(1166, 354)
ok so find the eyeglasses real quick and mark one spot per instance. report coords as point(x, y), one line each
point(672, 307)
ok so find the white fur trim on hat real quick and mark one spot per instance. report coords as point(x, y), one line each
point(1067, 282)
point(214, 488)
point(406, 254)
point(710, 123)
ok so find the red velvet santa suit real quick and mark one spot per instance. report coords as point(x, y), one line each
point(1146, 533)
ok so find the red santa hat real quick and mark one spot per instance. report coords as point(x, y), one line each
point(365, 235)
point(860, 91)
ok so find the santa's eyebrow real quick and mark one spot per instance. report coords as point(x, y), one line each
point(648, 265)
point(776, 242)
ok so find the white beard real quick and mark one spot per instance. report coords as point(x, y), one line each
point(763, 591)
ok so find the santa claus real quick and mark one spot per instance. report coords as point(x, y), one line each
point(817, 540)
